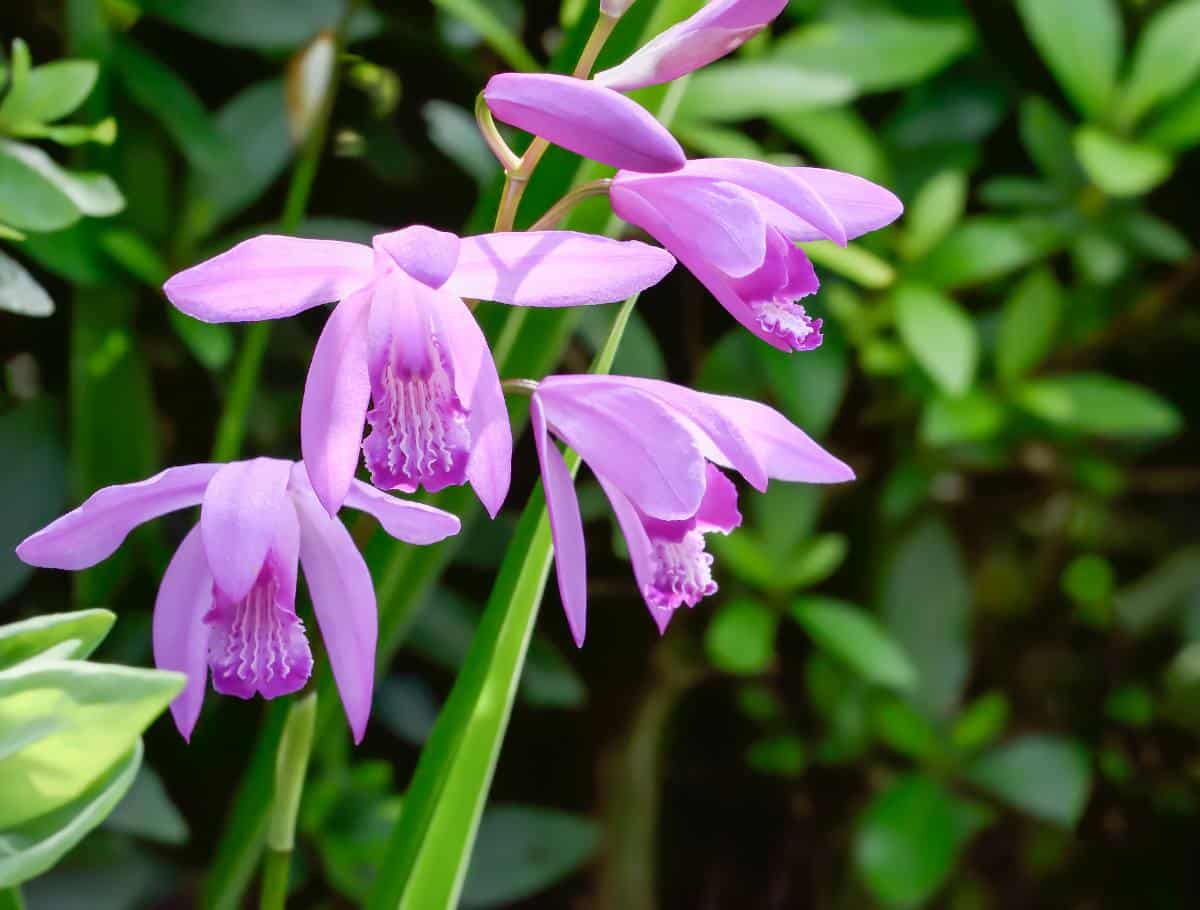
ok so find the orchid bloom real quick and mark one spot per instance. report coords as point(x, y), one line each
point(228, 597)
point(734, 223)
point(402, 338)
point(719, 28)
point(584, 118)
point(657, 449)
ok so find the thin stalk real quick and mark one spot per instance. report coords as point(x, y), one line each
point(10, 898)
point(563, 207)
point(491, 135)
point(273, 893)
point(517, 179)
point(231, 430)
point(291, 766)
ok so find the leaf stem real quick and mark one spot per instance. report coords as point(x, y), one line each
point(562, 208)
point(291, 765)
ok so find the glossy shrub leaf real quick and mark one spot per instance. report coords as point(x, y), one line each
point(270, 25)
point(1047, 776)
point(925, 601)
point(908, 840)
point(1046, 135)
point(940, 335)
point(986, 248)
point(37, 194)
point(64, 722)
point(1165, 60)
point(147, 812)
point(877, 52)
point(933, 212)
point(857, 639)
point(19, 291)
point(33, 484)
point(981, 722)
point(974, 417)
point(523, 850)
point(49, 92)
point(740, 638)
point(903, 728)
point(733, 90)
point(29, 849)
point(154, 87)
point(1099, 405)
point(751, 559)
point(1177, 127)
point(853, 261)
point(1119, 167)
point(1029, 324)
point(83, 629)
point(1081, 42)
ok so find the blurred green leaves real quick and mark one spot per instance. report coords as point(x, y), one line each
point(1099, 405)
point(1081, 41)
point(1045, 776)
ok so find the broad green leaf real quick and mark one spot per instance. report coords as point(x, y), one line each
point(985, 248)
point(940, 335)
point(269, 25)
point(713, 141)
point(782, 756)
point(84, 629)
point(905, 729)
point(877, 52)
point(154, 87)
point(147, 812)
point(1021, 193)
point(454, 131)
point(1029, 324)
point(33, 484)
point(838, 137)
point(19, 291)
point(933, 212)
point(480, 16)
point(1178, 126)
point(740, 638)
point(1152, 236)
point(749, 558)
point(852, 261)
point(29, 201)
point(49, 92)
point(30, 849)
point(1099, 405)
point(1166, 59)
point(523, 850)
point(925, 603)
point(1046, 135)
point(856, 638)
point(909, 839)
point(90, 194)
point(1155, 597)
point(1046, 776)
point(1119, 167)
point(974, 417)
point(981, 722)
point(742, 90)
point(1081, 42)
point(73, 720)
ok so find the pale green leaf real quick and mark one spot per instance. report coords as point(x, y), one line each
point(91, 194)
point(985, 248)
point(740, 638)
point(1081, 42)
point(741, 90)
point(856, 638)
point(1029, 324)
point(1046, 135)
point(1119, 167)
point(49, 92)
point(933, 212)
point(974, 417)
point(1177, 127)
point(1099, 405)
point(84, 629)
point(940, 335)
point(1046, 776)
point(1165, 61)
point(270, 25)
point(19, 291)
point(454, 131)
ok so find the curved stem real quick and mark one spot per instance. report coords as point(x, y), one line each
point(491, 135)
point(562, 208)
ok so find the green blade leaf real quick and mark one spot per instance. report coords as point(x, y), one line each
point(64, 722)
point(30, 849)
point(49, 92)
point(481, 17)
point(856, 638)
point(1029, 324)
point(1119, 167)
point(89, 194)
point(1081, 41)
point(1099, 405)
point(1178, 126)
point(267, 25)
point(1165, 61)
point(937, 207)
point(84, 629)
point(733, 90)
point(740, 638)
point(1046, 135)
point(1047, 776)
point(940, 335)
point(983, 249)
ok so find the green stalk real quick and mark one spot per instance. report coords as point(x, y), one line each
point(10, 899)
point(291, 765)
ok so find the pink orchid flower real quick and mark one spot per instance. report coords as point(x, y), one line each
point(402, 338)
point(719, 28)
point(734, 223)
point(227, 602)
point(656, 449)
point(584, 118)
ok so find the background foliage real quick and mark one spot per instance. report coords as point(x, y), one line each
point(971, 679)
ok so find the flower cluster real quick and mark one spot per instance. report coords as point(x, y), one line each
point(402, 377)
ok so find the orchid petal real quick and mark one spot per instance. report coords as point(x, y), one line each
point(787, 188)
point(860, 205)
point(336, 393)
point(718, 510)
point(632, 439)
point(93, 531)
point(716, 30)
point(412, 522)
point(424, 253)
point(239, 518)
point(344, 603)
point(478, 386)
point(269, 277)
point(566, 525)
point(637, 542)
point(585, 118)
point(555, 268)
point(178, 631)
point(714, 219)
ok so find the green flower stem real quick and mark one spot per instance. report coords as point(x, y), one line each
point(563, 207)
point(291, 765)
point(10, 899)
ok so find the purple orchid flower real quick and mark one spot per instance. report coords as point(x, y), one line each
point(228, 597)
point(584, 118)
point(657, 449)
point(717, 29)
point(403, 339)
point(734, 223)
